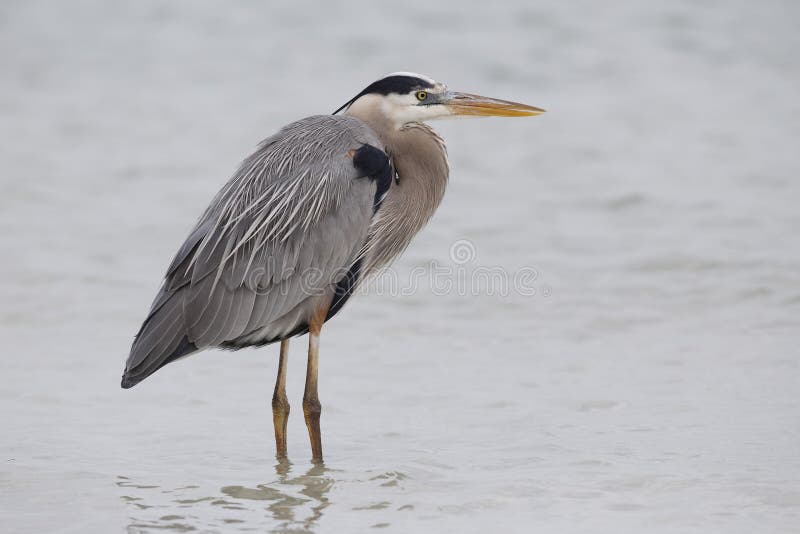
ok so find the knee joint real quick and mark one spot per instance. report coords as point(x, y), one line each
point(280, 403)
point(312, 407)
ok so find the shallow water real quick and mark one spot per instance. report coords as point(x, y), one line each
point(640, 374)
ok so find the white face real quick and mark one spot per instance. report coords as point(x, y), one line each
point(414, 98)
point(416, 106)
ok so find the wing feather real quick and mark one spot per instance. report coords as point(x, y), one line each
point(294, 206)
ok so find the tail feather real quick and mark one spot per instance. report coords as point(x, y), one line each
point(161, 340)
point(132, 377)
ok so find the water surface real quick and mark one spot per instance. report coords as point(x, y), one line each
point(647, 383)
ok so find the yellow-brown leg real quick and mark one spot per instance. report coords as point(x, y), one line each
point(280, 403)
point(311, 405)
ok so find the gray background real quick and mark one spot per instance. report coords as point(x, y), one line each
point(650, 384)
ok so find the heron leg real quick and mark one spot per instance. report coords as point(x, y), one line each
point(311, 405)
point(280, 403)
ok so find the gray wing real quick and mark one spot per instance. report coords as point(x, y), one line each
point(289, 223)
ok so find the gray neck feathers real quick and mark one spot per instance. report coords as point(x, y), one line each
point(420, 159)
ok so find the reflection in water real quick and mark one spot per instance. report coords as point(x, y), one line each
point(285, 507)
point(294, 504)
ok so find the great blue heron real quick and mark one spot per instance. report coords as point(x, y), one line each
point(319, 206)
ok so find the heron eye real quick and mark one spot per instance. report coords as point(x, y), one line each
point(421, 95)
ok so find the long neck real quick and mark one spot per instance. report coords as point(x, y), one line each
point(420, 159)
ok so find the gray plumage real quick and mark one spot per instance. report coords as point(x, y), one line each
point(288, 225)
point(319, 206)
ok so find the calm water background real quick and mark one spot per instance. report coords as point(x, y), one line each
point(649, 385)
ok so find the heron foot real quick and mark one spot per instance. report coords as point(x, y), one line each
point(280, 403)
point(280, 416)
point(312, 410)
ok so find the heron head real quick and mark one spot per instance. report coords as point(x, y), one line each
point(405, 97)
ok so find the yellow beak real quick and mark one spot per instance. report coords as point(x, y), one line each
point(483, 106)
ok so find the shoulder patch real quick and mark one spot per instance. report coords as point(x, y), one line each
point(375, 164)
